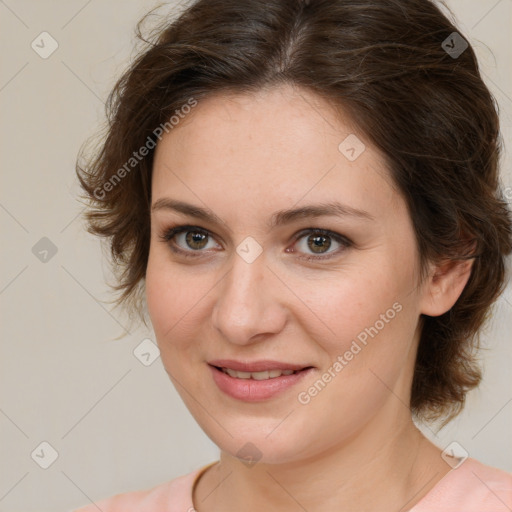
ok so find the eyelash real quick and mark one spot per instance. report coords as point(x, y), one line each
point(170, 233)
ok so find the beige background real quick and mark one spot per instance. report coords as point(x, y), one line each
point(116, 424)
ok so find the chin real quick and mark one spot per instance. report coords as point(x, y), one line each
point(258, 440)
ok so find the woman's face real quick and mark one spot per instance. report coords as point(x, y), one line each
point(252, 288)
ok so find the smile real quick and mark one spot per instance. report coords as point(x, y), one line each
point(272, 374)
point(257, 381)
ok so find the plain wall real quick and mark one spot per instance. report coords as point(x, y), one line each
point(116, 424)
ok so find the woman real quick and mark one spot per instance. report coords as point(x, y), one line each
point(306, 196)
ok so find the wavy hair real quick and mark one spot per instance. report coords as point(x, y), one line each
point(394, 67)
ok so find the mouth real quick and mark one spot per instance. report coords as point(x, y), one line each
point(265, 375)
point(258, 380)
point(258, 370)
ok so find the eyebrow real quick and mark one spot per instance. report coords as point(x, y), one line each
point(279, 218)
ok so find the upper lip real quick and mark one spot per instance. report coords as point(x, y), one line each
point(256, 366)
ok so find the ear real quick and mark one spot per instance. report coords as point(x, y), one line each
point(444, 285)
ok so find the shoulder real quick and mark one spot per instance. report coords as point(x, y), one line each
point(471, 487)
point(175, 495)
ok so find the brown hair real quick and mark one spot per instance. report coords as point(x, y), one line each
point(385, 62)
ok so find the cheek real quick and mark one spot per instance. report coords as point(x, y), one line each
point(177, 300)
point(159, 298)
point(366, 329)
point(368, 354)
point(374, 316)
point(168, 297)
point(360, 304)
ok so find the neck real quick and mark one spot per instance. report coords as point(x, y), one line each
point(380, 469)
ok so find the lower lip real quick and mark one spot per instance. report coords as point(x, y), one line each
point(252, 390)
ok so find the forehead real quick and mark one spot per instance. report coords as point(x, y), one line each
point(280, 143)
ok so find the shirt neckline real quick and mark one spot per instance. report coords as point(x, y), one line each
point(198, 475)
point(418, 507)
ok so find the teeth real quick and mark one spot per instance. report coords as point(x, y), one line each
point(272, 374)
point(238, 375)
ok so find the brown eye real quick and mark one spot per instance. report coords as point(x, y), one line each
point(196, 240)
point(315, 243)
point(187, 240)
point(318, 243)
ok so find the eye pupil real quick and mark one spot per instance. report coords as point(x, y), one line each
point(317, 243)
point(194, 237)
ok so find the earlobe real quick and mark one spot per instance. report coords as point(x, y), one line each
point(444, 285)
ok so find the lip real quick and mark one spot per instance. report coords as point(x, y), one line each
point(256, 366)
point(251, 390)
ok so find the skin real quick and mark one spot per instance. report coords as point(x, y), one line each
point(354, 445)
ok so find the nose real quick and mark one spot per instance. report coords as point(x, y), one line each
point(248, 308)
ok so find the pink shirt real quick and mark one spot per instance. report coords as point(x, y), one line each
point(472, 487)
